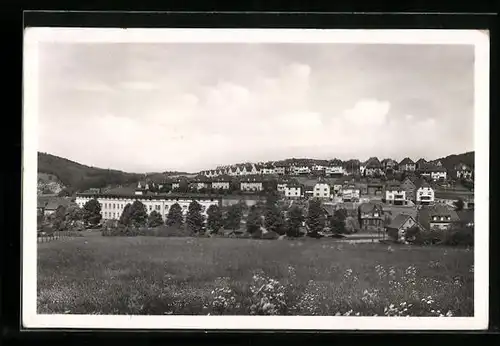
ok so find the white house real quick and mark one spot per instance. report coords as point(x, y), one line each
point(463, 171)
point(300, 170)
point(267, 170)
point(395, 195)
point(293, 191)
point(334, 170)
point(350, 194)
point(281, 170)
point(221, 184)
point(321, 190)
point(424, 194)
point(251, 185)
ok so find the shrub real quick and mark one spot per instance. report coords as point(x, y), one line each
point(171, 231)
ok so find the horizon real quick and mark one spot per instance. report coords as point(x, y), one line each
point(152, 107)
point(236, 163)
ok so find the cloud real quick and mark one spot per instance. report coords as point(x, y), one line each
point(368, 112)
point(138, 85)
point(93, 87)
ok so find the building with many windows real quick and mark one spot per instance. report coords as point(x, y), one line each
point(113, 204)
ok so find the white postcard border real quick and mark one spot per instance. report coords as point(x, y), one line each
point(32, 37)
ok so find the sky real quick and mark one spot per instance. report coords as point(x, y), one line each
point(149, 107)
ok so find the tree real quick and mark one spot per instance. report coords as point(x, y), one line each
point(459, 204)
point(214, 220)
point(59, 219)
point(154, 219)
point(315, 217)
point(194, 219)
point(274, 220)
point(254, 220)
point(233, 217)
point(138, 214)
point(174, 217)
point(125, 216)
point(337, 221)
point(295, 219)
point(92, 212)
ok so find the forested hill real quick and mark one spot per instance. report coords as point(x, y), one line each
point(77, 177)
point(451, 160)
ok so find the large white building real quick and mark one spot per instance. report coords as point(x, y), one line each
point(112, 206)
point(424, 194)
point(321, 190)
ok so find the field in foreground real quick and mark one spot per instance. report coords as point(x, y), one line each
point(150, 275)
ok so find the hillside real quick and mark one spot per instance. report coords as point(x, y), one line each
point(451, 160)
point(77, 177)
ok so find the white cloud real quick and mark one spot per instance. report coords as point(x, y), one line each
point(138, 85)
point(368, 112)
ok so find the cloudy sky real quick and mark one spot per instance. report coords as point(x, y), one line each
point(185, 106)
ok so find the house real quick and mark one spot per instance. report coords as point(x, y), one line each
point(222, 182)
point(396, 230)
point(294, 191)
point(371, 216)
point(300, 170)
point(424, 193)
point(437, 217)
point(420, 164)
point(373, 167)
point(334, 170)
point(321, 190)
point(433, 172)
point(56, 202)
point(350, 194)
point(336, 188)
point(407, 165)
point(408, 186)
point(375, 188)
point(267, 169)
point(463, 171)
point(394, 193)
point(389, 165)
point(251, 185)
point(280, 170)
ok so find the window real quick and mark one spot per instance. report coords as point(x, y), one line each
point(158, 207)
point(150, 207)
point(435, 218)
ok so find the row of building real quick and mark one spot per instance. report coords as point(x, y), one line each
point(372, 167)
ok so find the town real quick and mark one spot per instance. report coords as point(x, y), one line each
point(376, 198)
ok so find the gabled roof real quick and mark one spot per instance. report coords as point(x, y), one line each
point(329, 209)
point(406, 161)
point(54, 203)
point(370, 207)
point(373, 162)
point(421, 161)
point(429, 167)
point(421, 183)
point(427, 212)
point(399, 221)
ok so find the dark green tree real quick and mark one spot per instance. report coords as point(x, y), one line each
point(174, 217)
point(59, 219)
point(315, 217)
point(154, 219)
point(274, 219)
point(295, 219)
point(92, 212)
point(337, 221)
point(138, 214)
point(233, 217)
point(125, 216)
point(254, 220)
point(214, 219)
point(194, 219)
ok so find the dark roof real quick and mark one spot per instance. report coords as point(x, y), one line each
point(421, 183)
point(393, 185)
point(420, 161)
point(427, 212)
point(406, 160)
point(453, 195)
point(428, 167)
point(370, 206)
point(399, 221)
point(54, 203)
point(329, 209)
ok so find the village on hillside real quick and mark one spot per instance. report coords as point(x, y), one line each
point(358, 200)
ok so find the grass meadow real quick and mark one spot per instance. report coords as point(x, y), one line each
point(201, 276)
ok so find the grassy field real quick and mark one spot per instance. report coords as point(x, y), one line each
point(151, 275)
